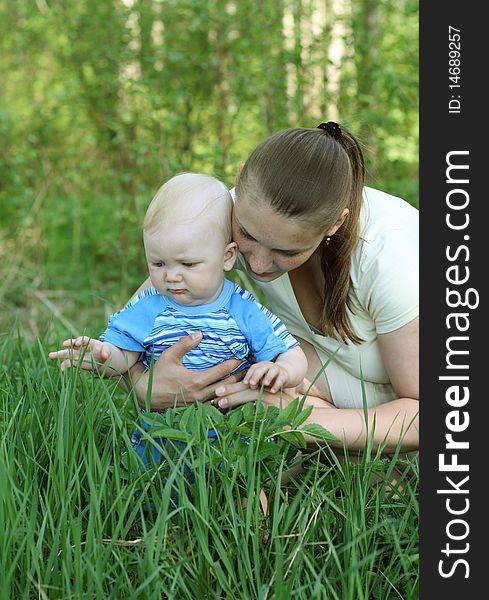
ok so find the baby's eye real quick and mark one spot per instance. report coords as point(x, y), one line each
point(189, 264)
point(158, 264)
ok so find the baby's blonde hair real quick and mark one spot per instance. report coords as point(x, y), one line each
point(187, 197)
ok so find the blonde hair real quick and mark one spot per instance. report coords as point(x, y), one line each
point(312, 176)
point(188, 197)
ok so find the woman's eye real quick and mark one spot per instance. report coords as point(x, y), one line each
point(287, 254)
point(246, 235)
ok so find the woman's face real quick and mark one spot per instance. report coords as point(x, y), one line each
point(271, 244)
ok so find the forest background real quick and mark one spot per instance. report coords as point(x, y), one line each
point(101, 101)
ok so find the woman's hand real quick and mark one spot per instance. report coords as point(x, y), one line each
point(230, 395)
point(173, 384)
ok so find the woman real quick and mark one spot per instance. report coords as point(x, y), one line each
point(339, 265)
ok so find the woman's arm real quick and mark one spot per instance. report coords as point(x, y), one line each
point(386, 424)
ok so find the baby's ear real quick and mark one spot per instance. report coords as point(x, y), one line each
point(230, 254)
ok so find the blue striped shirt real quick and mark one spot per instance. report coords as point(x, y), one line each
point(235, 325)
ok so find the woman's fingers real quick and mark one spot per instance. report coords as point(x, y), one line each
point(226, 388)
point(234, 394)
point(175, 353)
point(210, 391)
point(236, 398)
point(211, 378)
point(180, 348)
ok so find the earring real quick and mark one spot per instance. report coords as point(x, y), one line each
point(327, 240)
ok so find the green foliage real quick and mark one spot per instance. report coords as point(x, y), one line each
point(114, 96)
point(105, 99)
point(80, 518)
point(268, 434)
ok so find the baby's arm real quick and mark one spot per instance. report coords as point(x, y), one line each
point(94, 355)
point(288, 370)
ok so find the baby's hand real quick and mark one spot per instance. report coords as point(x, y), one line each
point(272, 375)
point(84, 351)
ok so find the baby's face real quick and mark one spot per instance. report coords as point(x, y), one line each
point(187, 262)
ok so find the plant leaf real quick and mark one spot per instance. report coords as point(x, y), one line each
point(287, 414)
point(301, 417)
point(170, 434)
point(294, 437)
point(318, 431)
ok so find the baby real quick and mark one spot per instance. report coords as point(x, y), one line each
point(187, 240)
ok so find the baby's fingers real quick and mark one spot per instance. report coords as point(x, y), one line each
point(66, 364)
point(254, 375)
point(279, 382)
point(70, 358)
point(82, 340)
point(270, 376)
point(100, 351)
point(57, 354)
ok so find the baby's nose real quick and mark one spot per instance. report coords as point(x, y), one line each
point(173, 275)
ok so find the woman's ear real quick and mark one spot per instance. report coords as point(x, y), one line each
point(339, 222)
point(230, 254)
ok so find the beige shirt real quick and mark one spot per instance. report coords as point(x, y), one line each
point(384, 296)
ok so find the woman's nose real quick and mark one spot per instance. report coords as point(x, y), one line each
point(260, 262)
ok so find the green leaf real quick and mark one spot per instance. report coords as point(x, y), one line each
point(153, 419)
point(318, 431)
point(272, 413)
point(187, 418)
point(248, 412)
point(268, 450)
point(171, 416)
point(301, 417)
point(235, 417)
point(294, 437)
point(287, 414)
point(210, 413)
point(170, 434)
point(243, 430)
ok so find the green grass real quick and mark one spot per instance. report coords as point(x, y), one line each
point(75, 523)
